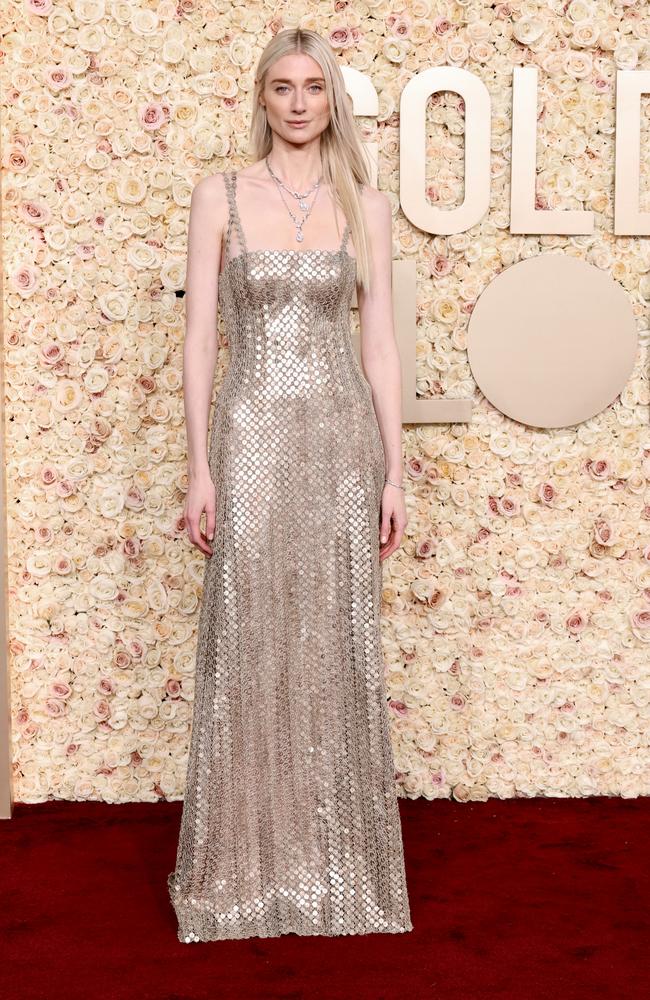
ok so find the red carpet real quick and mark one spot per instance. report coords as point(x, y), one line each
point(521, 899)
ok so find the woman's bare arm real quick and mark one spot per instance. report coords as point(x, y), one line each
point(379, 352)
point(208, 216)
point(207, 211)
point(381, 363)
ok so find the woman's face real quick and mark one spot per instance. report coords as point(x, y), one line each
point(294, 91)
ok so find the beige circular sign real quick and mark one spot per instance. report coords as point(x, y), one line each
point(552, 340)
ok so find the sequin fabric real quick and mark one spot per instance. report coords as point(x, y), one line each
point(290, 821)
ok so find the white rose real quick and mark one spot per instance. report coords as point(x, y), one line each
point(527, 30)
point(142, 257)
point(114, 305)
point(626, 56)
point(144, 23)
point(110, 502)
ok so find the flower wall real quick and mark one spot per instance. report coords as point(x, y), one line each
point(516, 615)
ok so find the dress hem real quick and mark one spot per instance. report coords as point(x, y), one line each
point(187, 935)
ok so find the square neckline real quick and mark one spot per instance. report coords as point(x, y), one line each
point(230, 181)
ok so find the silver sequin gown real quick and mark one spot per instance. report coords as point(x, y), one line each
point(290, 820)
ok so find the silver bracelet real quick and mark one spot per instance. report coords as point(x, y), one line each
point(386, 480)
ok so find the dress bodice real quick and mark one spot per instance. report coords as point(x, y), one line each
point(286, 314)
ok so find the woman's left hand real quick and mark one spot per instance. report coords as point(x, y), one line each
point(393, 520)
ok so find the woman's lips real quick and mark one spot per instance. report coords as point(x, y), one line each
point(297, 124)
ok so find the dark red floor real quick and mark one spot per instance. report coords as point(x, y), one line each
point(523, 899)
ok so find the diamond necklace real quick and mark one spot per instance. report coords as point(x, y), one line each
point(301, 200)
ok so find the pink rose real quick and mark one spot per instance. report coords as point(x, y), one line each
point(131, 548)
point(122, 660)
point(441, 266)
point(85, 251)
point(25, 279)
point(51, 353)
point(437, 598)
point(17, 161)
point(546, 492)
point(600, 469)
point(54, 708)
point(136, 648)
point(603, 532)
point(441, 25)
point(152, 116)
point(414, 468)
point(34, 213)
point(173, 687)
point(101, 710)
point(399, 25)
point(576, 622)
point(135, 498)
point(641, 620)
point(57, 77)
point(339, 38)
point(508, 506)
point(40, 7)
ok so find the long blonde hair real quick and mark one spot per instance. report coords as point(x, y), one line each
point(345, 167)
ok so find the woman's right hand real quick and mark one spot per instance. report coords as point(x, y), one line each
point(201, 496)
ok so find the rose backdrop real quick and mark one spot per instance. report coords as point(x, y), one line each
point(516, 615)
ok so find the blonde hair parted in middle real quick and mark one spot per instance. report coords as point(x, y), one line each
point(344, 164)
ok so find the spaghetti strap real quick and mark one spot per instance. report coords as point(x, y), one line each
point(230, 180)
point(346, 233)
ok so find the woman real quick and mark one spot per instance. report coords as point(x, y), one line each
point(290, 821)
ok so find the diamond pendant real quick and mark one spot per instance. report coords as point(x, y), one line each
point(299, 236)
point(303, 204)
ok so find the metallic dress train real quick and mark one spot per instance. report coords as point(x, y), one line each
point(290, 821)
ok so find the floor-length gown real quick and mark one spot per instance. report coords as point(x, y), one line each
point(290, 820)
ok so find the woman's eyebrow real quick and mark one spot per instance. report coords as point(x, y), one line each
point(309, 79)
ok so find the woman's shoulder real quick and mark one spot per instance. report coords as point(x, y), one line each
point(376, 208)
point(210, 196)
point(373, 197)
point(210, 202)
point(210, 186)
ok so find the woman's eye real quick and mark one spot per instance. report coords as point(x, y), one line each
point(283, 87)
